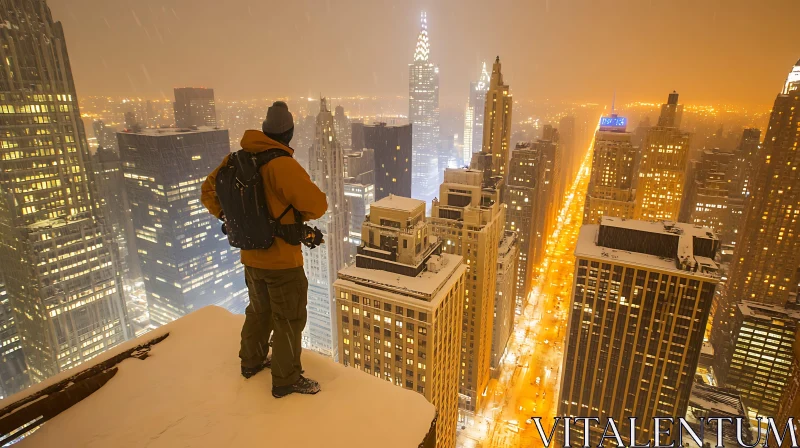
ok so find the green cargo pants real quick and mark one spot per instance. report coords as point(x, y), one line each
point(277, 304)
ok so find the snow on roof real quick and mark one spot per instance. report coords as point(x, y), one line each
point(427, 284)
point(587, 247)
point(506, 244)
point(393, 202)
point(767, 311)
point(719, 402)
point(165, 132)
point(189, 393)
point(662, 227)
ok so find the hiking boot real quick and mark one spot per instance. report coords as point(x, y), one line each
point(247, 372)
point(302, 386)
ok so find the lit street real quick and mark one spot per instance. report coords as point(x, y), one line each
point(529, 379)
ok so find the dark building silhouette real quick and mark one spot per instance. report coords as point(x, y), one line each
point(392, 145)
point(357, 136)
point(185, 260)
point(116, 209)
point(194, 106)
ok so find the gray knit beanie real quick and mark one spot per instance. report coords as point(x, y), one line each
point(279, 119)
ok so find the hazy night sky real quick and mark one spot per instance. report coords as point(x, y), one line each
point(711, 51)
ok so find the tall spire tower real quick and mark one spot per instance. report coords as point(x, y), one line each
point(423, 114)
point(473, 116)
point(326, 168)
point(493, 159)
point(423, 44)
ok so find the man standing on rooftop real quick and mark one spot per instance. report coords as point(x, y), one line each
point(275, 278)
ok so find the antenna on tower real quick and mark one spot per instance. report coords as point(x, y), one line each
point(613, 101)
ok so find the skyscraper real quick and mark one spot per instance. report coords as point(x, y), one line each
point(13, 369)
point(505, 298)
point(55, 249)
point(423, 114)
point(326, 168)
point(765, 267)
point(194, 106)
point(709, 201)
point(610, 191)
point(469, 219)
point(671, 112)
point(107, 167)
point(662, 168)
point(359, 197)
point(762, 356)
point(393, 158)
point(106, 135)
point(790, 402)
point(745, 164)
point(359, 166)
point(493, 158)
point(399, 308)
point(131, 122)
point(473, 116)
point(185, 259)
point(531, 208)
point(641, 297)
point(342, 127)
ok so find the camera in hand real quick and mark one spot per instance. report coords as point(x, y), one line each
point(311, 237)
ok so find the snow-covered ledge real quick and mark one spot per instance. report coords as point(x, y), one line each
point(188, 393)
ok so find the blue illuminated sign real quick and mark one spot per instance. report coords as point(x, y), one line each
point(613, 122)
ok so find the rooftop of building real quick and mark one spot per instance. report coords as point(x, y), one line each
point(767, 311)
point(424, 286)
point(661, 227)
point(383, 124)
point(718, 401)
point(187, 391)
point(399, 203)
point(52, 223)
point(683, 261)
point(507, 243)
point(165, 132)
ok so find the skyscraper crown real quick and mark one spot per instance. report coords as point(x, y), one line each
point(793, 80)
point(484, 80)
point(423, 45)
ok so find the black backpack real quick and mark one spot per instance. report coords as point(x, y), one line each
point(240, 189)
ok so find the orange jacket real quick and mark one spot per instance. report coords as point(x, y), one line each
point(285, 182)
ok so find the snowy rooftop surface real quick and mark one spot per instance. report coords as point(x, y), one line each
point(159, 132)
point(719, 402)
point(587, 247)
point(189, 393)
point(506, 244)
point(53, 223)
point(662, 227)
point(426, 285)
point(393, 202)
point(767, 311)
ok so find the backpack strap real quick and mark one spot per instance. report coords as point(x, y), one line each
point(263, 158)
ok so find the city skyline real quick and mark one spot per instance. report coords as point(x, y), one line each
point(635, 260)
